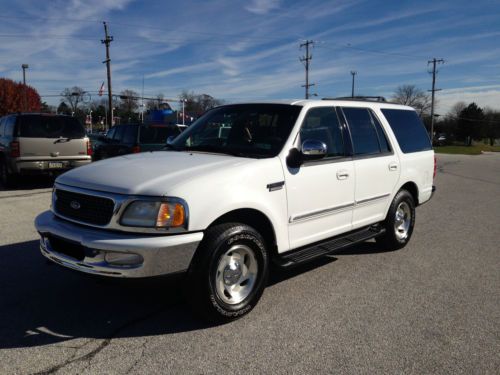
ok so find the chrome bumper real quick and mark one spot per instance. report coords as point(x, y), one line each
point(157, 255)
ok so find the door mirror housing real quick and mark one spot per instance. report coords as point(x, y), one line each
point(313, 149)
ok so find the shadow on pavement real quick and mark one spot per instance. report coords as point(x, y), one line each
point(43, 303)
point(24, 183)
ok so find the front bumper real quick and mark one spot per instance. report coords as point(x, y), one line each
point(159, 255)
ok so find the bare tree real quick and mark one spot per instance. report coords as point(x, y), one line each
point(455, 111)
point(414, 97)
point(129, 101)
point(73, 97)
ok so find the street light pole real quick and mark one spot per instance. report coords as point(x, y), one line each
point(183, 113)
point(25, 98)
point(353, 73)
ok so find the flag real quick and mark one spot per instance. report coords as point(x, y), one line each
point(101, 90)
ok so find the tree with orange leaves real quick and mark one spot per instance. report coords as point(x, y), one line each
point(12, 97)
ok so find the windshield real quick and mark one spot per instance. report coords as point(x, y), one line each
point(251, 130)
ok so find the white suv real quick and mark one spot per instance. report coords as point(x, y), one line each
point(244, 186)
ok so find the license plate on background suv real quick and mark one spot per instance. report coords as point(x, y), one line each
point(55, 165)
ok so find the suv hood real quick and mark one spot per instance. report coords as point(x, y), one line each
point(148, 173)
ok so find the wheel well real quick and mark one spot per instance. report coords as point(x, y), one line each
point(412, 188)
point(253, 218)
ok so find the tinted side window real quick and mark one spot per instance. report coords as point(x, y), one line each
point(130, 135)
point(110, 133)
point(322, 124)
point(119, 133)
point(384, 144)
point(157, 134)
point(408, 129)
point(10, 124)
point(363, 133)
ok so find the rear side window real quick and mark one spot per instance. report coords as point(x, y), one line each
point(10, 124)
point(364, 136)
point(408, 129)
point(157, 134)
point(119, 133)
point(322, 124)
point(35, 126)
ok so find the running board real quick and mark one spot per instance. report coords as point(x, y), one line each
point(305, 254)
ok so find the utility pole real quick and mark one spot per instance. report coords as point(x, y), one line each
point(306, 61)
point(353, 73)
point(434, 63)
point(25, 98)
point(107, 41)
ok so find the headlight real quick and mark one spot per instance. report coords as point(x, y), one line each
point(151, 214)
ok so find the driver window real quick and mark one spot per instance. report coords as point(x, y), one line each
point(322, 124)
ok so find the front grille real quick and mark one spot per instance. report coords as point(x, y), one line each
point(85, 208)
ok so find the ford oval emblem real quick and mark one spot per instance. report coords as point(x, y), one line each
point(75, 205)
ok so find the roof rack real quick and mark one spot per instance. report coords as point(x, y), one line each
point(360, 98)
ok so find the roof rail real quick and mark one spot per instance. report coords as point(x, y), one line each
point(360, 98)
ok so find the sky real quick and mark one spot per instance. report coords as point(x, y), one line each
point(249, 50)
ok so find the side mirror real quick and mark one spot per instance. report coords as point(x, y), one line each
point(313, 149)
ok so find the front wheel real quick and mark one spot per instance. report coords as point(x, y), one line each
point(229, 272)
point(399, 222)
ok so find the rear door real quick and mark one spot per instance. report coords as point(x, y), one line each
point(50, 137)
point(376, 164)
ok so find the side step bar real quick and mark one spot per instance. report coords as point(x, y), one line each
point(310, 252)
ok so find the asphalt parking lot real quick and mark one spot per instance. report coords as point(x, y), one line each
point(432, 307)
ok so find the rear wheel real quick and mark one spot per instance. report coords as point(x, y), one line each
point(6, 179)
point(399, 222)
point(229, 272)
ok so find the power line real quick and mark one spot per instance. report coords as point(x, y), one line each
point(306, 60)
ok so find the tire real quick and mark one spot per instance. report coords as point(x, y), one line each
point(399, 222)
point(228, 273)
point(6, 179)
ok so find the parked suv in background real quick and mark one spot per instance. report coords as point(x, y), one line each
point(41, 143)
point(244, 186)
point(133, 138)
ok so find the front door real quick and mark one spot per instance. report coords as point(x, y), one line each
point(320, 193)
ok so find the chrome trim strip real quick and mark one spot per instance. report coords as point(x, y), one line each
point(328, 211)
point(362, 201)
point(322, 212)
point(121, 202)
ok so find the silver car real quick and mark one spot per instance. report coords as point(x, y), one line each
point(35, 143)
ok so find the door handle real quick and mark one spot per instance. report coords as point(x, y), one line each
point(342, 175)
point(393, 166)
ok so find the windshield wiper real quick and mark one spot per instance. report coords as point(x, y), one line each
point(169, 146)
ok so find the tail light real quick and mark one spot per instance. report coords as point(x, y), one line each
point(136, 149)
point(435, 167)
point(89, 148)
point(15, 149)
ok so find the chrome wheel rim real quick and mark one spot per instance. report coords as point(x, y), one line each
point(236, 274)
point(402, 221)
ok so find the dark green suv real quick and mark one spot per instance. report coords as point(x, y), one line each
point(133, 138)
